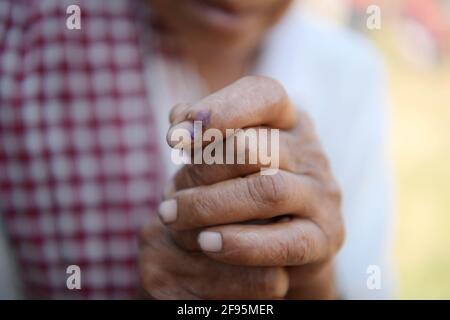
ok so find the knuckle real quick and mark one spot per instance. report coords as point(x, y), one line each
point(244, 253)
point(303, 249)
point(268, 190)
point(278, 252)
point(295, 251)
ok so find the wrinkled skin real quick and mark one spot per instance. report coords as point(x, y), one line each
point(290, 255)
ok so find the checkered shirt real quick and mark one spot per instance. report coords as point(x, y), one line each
point(79, 162)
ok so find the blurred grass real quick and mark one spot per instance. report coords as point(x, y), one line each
point(421, 157)
point(420, 147)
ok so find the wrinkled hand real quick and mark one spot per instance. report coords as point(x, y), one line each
point(230, 231)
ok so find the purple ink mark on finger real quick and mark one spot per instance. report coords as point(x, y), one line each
point(204, 117)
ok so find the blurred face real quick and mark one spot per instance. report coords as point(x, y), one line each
point(219, 24)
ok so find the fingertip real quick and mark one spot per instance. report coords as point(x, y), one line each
point(178, 113)
point(180, 135)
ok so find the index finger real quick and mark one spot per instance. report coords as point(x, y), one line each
point(250, 101)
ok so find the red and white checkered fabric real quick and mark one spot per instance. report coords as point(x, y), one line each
point(79, 165)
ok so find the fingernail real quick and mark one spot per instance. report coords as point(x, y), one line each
point(167, 210)
point(183, 131)
point(169, 190)
point(210, 241)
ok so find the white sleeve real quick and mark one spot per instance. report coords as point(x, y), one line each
point(361, 167)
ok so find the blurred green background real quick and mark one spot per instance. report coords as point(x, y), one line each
point(414, 39)
point(421, 157)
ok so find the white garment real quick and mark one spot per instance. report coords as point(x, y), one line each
point(336, 76)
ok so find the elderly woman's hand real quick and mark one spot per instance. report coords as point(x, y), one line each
point(235, 221)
